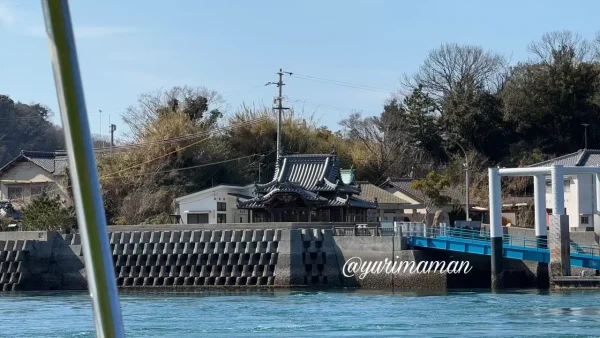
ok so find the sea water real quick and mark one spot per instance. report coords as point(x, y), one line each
point(311, 314)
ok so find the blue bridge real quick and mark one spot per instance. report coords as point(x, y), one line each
point(478, 242)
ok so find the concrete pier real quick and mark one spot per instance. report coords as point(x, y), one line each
point(560, 246)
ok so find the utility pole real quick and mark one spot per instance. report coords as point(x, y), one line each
point(279, 107)
point(112, 134)
point(466, 165)
point(585, 125)
point(101, 140)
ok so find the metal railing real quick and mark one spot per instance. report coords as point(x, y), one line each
point(359, 230)
point(593, 250)
point(422, 230)
point(524, 241)
point(409, 229)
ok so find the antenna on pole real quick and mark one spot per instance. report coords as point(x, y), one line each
point(585, 125)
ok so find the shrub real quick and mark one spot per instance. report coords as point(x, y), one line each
point(48, 213)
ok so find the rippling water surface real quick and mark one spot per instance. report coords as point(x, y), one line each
point(312, 314)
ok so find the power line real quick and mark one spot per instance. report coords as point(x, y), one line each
point(182, 138)
point(195, 166)
point(325, 105)
point(341, 83)
point(164, 155)
point(161, 171)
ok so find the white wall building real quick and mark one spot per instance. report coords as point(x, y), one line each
point(214, 205)
point(579, 190)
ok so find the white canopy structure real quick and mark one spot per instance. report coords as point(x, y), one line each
point(557, 174)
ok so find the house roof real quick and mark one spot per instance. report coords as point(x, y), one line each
point(580, 158)
point(405, 186)
point(316, 178)
point(312, 172)
point(372, 193)
point(334, 202)
point(52, 162)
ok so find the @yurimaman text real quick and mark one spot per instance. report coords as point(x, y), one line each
point(355, 266)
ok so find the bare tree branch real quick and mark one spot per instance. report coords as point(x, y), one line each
point(561, 41)
point(451, 64)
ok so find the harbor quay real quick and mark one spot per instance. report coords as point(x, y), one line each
point(267, 255)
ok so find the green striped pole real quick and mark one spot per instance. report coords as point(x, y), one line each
point(84, 175)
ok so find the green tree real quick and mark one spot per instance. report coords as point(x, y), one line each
point(546, 101)
point(48, 213)
point(26, 127)
point(432, 187)
point(421, 120)
point(474, 117)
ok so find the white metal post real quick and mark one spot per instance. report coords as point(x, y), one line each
point(539, 193)
point(496, 234)
point(495, 203)
point(558, 189)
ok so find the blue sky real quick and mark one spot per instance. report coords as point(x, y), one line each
point(130, 47)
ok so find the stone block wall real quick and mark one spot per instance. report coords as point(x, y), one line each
point(319, 261)
point(12, 259)
point(195, 258)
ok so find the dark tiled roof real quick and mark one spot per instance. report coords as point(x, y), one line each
point(316, 178)
point(404, 184)
point(359, 203)
point(291, 187)
point(581, 158)
point(52, 162)
point(334, 202)
point(371, 192)
point(313, 172)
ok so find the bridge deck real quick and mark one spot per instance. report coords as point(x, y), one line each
point(478, 242)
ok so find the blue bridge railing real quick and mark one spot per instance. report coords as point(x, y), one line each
point(478, 241)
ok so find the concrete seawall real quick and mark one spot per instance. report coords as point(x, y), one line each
point(233, 256)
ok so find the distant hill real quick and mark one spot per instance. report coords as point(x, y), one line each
point(26, 127)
